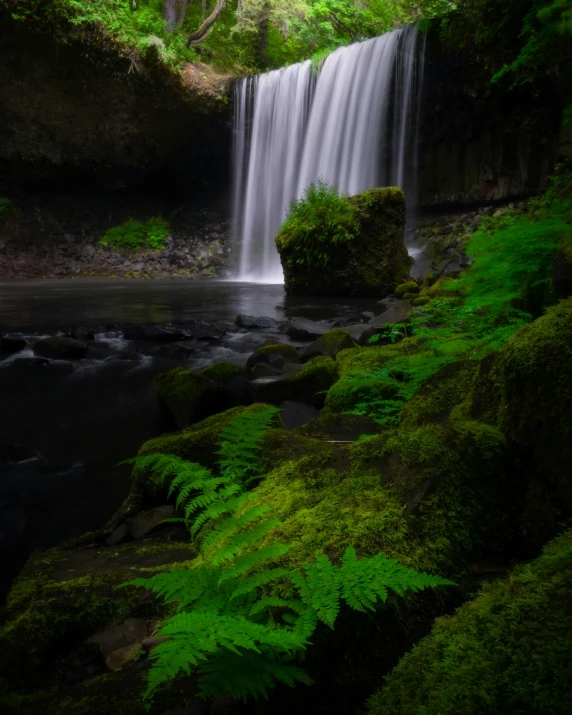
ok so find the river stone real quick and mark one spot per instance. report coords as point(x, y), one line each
point(303, 329)
point(153, 642)
point(134, 630)
point(121, 657)
point(251, 323)
point(146, 521)
point(393, 311)
point(60, 348)
point(372, 262)
point(12, 344)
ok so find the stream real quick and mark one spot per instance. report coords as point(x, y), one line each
point(73, 421)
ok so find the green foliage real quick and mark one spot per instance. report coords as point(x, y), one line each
point(238, 621)
point(252, 35)
point(507, 286)
point(322, 216)
point(134, 235)
point(507, 651)
point(241, 442)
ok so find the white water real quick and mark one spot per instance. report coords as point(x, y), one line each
point(355, 125)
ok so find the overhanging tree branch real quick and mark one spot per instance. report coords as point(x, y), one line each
point(206, 28)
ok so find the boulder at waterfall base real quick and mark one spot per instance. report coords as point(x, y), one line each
point(333, 245)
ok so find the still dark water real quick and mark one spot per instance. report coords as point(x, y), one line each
point(52, 304)
point(85, 417)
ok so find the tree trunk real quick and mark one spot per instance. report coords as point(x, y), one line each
point(174, 14)
point(170, 14)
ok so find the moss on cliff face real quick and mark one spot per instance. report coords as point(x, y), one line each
point(370, 260)
point(526, 390)
point(509, 650)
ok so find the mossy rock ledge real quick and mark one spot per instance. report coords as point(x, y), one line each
point(373, 263)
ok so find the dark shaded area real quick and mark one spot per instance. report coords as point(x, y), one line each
point(80, 115)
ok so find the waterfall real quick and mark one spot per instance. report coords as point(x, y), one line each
point(354, 123)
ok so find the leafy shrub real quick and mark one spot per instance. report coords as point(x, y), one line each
point(322, 216)
point(239, 622)
point(134, 235)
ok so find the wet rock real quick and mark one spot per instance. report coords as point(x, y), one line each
point(34, 362)
point(117, 536)
point(302, 329)
point(154, 334)
point(134, 630)
point(11, 344)
point(295, 414)
point(82, 333)
point(121, 657)
point(153, 641)
point(251, 323)
point(204, 331)
point(177, 351)
point(393, 311)
point(329, 344)
point(146, 521)
point(356, 331)
point(60, 348)
point(263, 369)
point(274, 356)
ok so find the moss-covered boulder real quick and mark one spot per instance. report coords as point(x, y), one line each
point(408, 288)
point(345, 246)
point(508, 651)
point(62, 597)
point(275, 355)
point(185, 397)
point(307, 385)
point(329, 344)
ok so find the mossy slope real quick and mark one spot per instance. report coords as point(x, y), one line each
point(508, 651)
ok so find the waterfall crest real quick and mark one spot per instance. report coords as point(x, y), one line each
point(355, 124)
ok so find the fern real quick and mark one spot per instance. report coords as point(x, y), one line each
point(241, 441)
point(227, 626)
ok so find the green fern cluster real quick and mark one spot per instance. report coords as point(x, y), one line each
point(322, 217)
point(134, 235)
point(239, 621)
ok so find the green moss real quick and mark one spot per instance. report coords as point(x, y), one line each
point(409, 287)
point(422, 300)
point(368, 358)
point(308, 385)
point(185, 396)
point(223, 371)
point(508, 651)
point(331, 343)
point(62, 597)
point(276, 355)
point(435, 400)
point(374, 265)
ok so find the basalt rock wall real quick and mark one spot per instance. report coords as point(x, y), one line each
point(482, 141)
point(81, 111)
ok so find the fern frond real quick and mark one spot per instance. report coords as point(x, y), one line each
point(251, 674)
point(252, 560)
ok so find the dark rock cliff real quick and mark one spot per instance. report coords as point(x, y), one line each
point(81, 113)
point(480, 141)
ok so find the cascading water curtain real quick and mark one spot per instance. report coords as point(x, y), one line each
point(355, 124)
